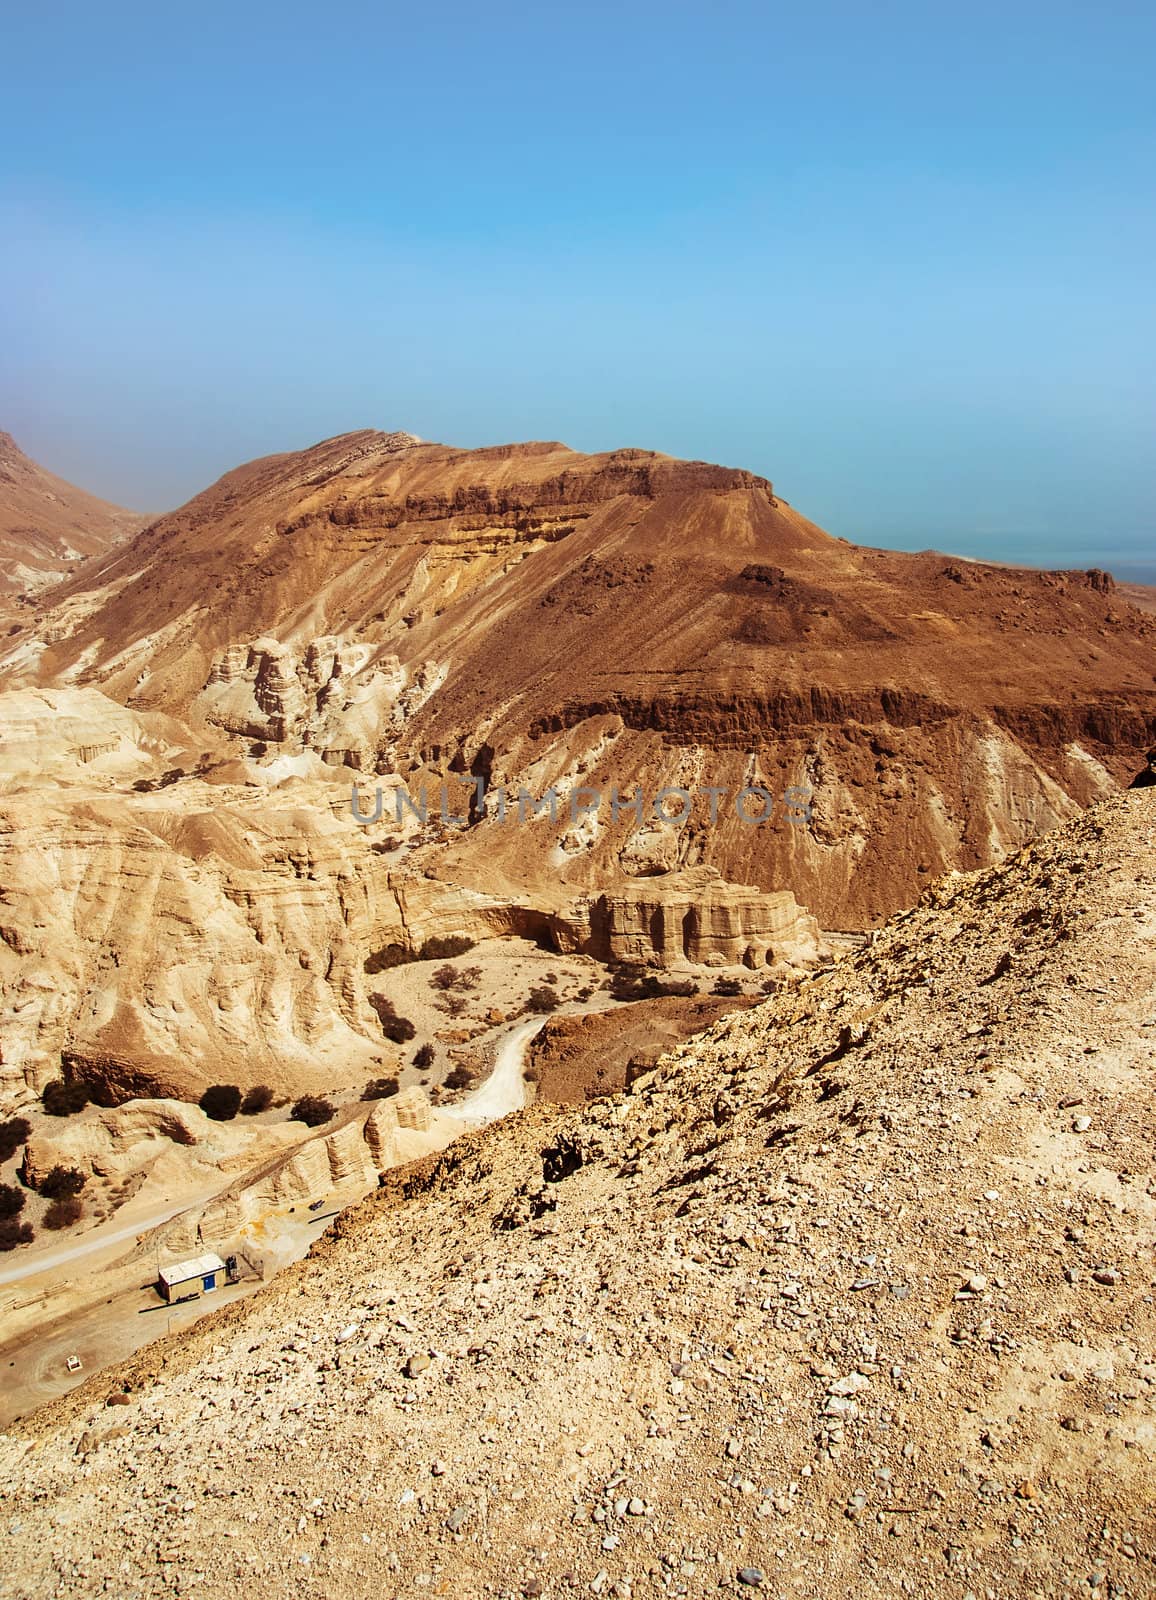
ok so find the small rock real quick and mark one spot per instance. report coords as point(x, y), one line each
point(458, 1518)
point(1106, 1275)
point(733, 1449)
point(1081, 1124)
point(637, 1507)
point(438, 1469)
point(752, 1577)
point(416, 1365)
point(853, 1383)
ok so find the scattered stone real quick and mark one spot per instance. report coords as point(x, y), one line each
point(416, 1365)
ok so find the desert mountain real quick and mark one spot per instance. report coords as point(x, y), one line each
point(533, 616)
point(48, 526)
point(852, 1295)
point(192, 896)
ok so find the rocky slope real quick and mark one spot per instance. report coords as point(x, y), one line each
point(853, 1295)
point(47, 526)
point(530, 616)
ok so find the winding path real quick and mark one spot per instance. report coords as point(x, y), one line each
point(505, 1088)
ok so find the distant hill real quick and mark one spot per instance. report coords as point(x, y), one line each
point(48, 526)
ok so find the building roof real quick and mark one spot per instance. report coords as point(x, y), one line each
point(198, 1267)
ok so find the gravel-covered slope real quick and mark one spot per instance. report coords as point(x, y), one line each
point(853, 1296)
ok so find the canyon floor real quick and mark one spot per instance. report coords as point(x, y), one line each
point(851, 1295)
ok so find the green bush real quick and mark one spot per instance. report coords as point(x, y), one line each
point(257, 1099)
point(11, 1200)
point(63, 1213)
point(63, 1098)
point(391, 955)
point(542, 999)
point(424, 1056)
point(312, 1110)
point(62, 1183)
point(444, 947)
point(381, 1089)
point(13, 1132)
point(221, 1102)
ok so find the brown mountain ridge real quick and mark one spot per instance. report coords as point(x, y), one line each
point(528, 614)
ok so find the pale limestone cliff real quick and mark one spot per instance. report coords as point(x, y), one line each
point(692, 917)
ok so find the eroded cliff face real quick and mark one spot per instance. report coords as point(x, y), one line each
point(692, 918)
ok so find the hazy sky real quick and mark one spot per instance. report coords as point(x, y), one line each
point(897, 257)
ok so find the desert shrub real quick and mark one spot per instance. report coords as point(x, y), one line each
point(532, 1073)
point(469, 977)
point(632, 983)
point(381, 1089)
point(444, 977)
point(62, 1183)
point(13, 1132)
point(460, 1078)
point(454, 1005)
point(445, 946)
point(389, 956)
point(382, 847)
point(542, 999)
point(63, 1213)
point(11, 1201)
point(13, 1233)
point(221, 1101)
point(424, 1056)
point(398, 1030)
point(62, 1098)
point(728, 987)
point(257, 1099)
point(551, 977)
point(769, 986)
point(312, 1110)
point(584, 993)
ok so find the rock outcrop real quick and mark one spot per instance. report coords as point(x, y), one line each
point(692, 917)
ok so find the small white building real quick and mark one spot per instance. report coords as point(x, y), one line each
point(201, 1275)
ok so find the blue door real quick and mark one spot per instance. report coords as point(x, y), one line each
point(209, 1282)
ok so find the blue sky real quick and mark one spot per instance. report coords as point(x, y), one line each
point(898, 257)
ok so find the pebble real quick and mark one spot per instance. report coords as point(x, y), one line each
point(1081, 1124)
point(637, 1507)
point(752, 1577)
point(1106, 1275)
point(416, 1365)
point(733, 1449)
point(458, 1518)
